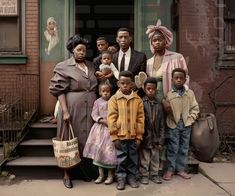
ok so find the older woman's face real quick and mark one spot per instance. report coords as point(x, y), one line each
point(79, 52)
point(158, 42)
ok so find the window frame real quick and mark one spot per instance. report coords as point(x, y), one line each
point(226, 59)
point(17, 57)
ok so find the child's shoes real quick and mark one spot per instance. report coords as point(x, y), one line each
point(109, 180)
point(156, 179)
point(144, 180)
point(99, 180)
point(121, 183)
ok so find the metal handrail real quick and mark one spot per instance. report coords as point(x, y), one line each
point(17, 106)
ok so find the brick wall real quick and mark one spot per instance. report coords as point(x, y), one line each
point(8, 76)
point(32, 36)
point(198, 42)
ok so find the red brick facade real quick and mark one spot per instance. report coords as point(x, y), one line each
point(9, 72)
point(199, 43)
point(32, 36)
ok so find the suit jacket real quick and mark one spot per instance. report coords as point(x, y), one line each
point(137, 63)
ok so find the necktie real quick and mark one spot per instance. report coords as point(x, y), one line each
point(122, 65)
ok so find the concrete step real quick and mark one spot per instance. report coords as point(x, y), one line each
point(46, 168)
point(37, 142)
point(34, 168)
point(36, 147)
point(42, 131)
point(33, 161)
point(42, 125)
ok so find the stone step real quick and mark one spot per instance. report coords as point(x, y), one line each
point(37, 142)
point(36, 157)
point(34, 168)
point(42, 125)
point(35, 147)
point(42, 131)
point(33, 161)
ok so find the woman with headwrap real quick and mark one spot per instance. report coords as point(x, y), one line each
point(75, 85)
point(163, 61)
point(161, 64)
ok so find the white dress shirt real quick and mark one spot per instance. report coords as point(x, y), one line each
point(127, 58)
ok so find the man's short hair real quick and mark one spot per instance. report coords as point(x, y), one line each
point(102, 38)
point(123, 29)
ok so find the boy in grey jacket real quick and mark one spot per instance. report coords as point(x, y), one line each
point(153, 138)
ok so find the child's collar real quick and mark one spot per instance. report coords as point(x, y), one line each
point(185, 88)
point(180, 91)
point(121, 95)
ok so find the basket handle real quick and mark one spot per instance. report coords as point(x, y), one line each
point(71, 130)
point(71, 133)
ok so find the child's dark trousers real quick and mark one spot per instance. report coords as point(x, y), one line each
point(127, 157)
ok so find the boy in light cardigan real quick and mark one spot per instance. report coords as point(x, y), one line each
point(182, 113)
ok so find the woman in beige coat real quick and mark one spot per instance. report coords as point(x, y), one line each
point(75, 85)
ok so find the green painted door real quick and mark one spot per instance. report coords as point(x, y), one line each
point(56, 25)
point(146, 13)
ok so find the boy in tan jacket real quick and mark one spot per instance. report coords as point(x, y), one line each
point(126, 127)
point(182, 113)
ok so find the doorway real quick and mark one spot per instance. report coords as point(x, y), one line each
point(97, 18)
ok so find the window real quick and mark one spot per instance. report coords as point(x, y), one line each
point(226, 34)
point(229, 30)
point(10, 25)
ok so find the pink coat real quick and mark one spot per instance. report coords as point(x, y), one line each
point(171, 60)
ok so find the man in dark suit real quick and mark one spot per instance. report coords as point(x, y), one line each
point(127, 58)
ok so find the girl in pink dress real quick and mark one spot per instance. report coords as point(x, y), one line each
point(99, 146)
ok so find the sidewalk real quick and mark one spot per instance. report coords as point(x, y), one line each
point(222, 174)
point(199, 185)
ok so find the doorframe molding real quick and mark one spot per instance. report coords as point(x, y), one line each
point(138, 25)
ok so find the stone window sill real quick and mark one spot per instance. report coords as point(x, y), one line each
point(13, 59)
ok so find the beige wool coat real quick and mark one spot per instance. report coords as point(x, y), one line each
point(125, 117)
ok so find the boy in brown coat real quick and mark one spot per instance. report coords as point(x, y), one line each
point(126, 127)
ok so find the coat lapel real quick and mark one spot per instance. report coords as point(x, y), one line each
point(89, 67)
point(149, 68)
point(115, 59)
point(166, 58)
point(132, 60)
